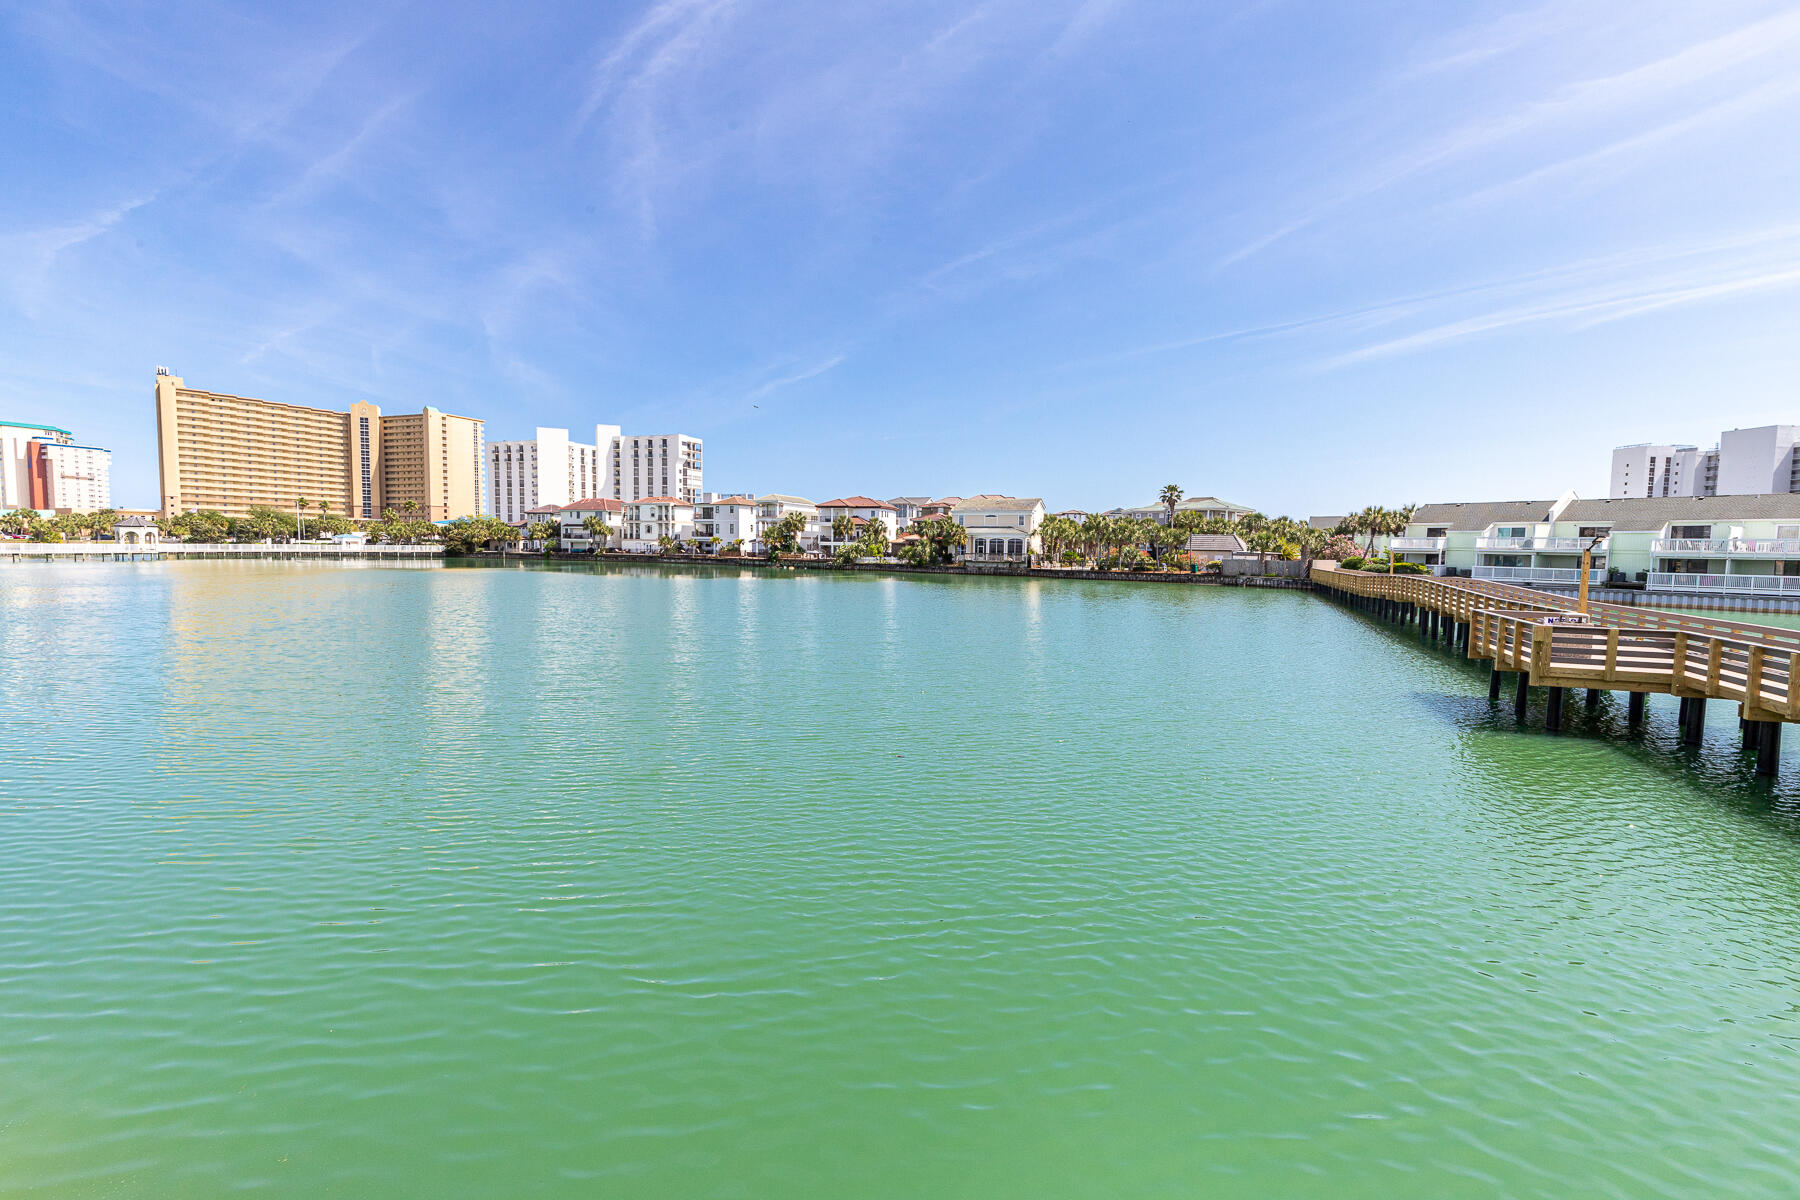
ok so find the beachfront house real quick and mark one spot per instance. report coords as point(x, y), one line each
point(1000, 527)
point(575, 535)
point(650, 520)
point(544, 514)
point(1208, 507)
point(723, 520)
point(772, 507)
point(908, 509)
point(862, 512)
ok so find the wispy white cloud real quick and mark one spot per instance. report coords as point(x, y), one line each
point(1635, 93)
point(793, 377)
point(28, 259)
point(1615, 289)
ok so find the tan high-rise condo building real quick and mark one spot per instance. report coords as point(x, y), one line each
point(234, 453)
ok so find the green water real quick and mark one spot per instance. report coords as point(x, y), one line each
point(1779, 620)
point(515, 882)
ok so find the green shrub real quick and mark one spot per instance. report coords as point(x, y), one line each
point(1353, 563)
point(1411, 568)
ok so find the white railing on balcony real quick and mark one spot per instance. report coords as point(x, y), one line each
point(1557, 544)
point(1728, 547)
point(1417, 543)
point(1536, 574)
point(1722, 585)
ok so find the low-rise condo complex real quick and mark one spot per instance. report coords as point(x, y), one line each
point(1698, 545)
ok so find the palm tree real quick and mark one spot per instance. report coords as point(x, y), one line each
point(300, 507)
point(598, 531)
point(1264, 541)
point(1169, 498)
point(1308, 540)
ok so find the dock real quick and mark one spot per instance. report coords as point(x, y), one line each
point(129, 552)
point(1544, 640)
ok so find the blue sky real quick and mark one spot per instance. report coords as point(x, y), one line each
point(1307, 256)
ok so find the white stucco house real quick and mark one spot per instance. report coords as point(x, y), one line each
point(575, 535)
point(726, 519)
point(653, 518)
point(773, 506)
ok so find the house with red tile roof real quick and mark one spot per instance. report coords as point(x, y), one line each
point(861, 510)
point(574, 518)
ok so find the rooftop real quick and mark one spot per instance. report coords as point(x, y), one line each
point(596, 504)
point(781, 498)
point(856, 502)
point(1214, 543)
point(1478, 515)
point(35, 425)
point(1653, 512)
point(999, 504)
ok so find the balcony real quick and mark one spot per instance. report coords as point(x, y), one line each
point(1535, 575)
point(1725, 585)
point(1559, 545)
point(1727, 547)
point(1428, 544)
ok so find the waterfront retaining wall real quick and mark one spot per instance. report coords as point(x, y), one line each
point(1292, 580)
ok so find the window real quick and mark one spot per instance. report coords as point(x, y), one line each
point(1509, 531)
point(1698, 532)
point(1436, 531)
point(1593, 531)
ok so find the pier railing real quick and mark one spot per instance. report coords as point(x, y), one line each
point(1611, 647)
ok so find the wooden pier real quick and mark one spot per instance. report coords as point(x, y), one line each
point(1544, 641)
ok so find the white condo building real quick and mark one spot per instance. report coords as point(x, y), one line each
point(663, 464)
point(41, 467)
point(1659, 470)
point(552, 469)
point(1761, 461)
